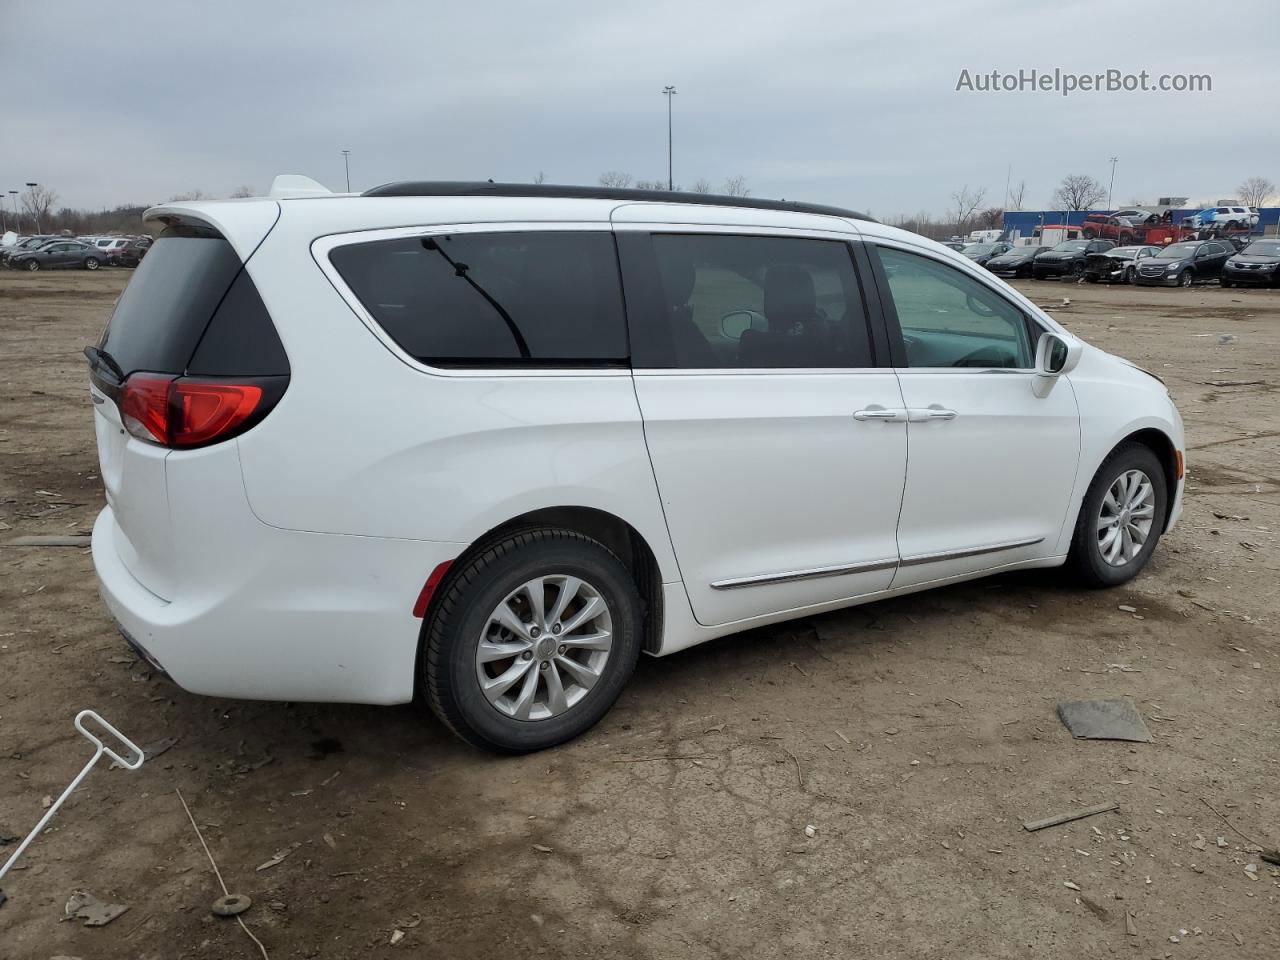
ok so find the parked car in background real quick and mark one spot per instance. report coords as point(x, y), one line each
point(1117, 265)
point(1016, 261)
point(1182, 264)
point(298, 443)
point(1067, 258)
point(131, 254)
point(110, 246)
point(57, 254)
point(24, 244)
point(1258, 263)
point(1119, 229)
point(1138, 216)
point(956, 245)
point(980, 253)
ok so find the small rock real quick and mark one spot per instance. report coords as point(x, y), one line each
point(810, 830)
point(396, 936)
point(1198, 842)
point(46, 802)
point(1125, 608)
point(1069, 885)
point(541, 848)
point(1222, 841)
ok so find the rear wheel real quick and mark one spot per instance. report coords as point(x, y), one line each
point(532, 641)
point(1121, 517)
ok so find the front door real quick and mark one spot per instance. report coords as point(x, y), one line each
point(777, 442)
point(992, 447)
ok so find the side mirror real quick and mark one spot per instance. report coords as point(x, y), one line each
point(1055, 355)
point(734, 325)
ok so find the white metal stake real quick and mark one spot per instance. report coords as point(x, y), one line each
point(134, 750)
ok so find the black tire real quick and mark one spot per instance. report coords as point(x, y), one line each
point(461, 617)
point(1077, 269)
point(91, 263)
point(32, 265)
point(1085, 558)
point(1186, 278)
point(1225, 283)
point(1128, 275)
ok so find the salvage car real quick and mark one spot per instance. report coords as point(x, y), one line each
point(1119, 229)
point(1016, 261)
point(1182, 264)
point(1067, 258)
point(57, 254)
point(1117, 265)
point(980, 253)
point(1258, 263)
point(535, 480)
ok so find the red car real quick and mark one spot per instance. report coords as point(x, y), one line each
point(1119, 229)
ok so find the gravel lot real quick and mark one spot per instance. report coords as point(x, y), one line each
point(915, 735)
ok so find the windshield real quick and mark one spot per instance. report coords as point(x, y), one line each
point(980, 248)
point(1177, 251)
point(1071, 246)
point(1263, 248)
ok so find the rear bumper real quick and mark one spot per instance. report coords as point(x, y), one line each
point(269, 614)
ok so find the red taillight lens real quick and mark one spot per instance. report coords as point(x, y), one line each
point(144, 406)
point(180, 412)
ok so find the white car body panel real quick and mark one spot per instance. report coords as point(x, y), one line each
point(285, 564)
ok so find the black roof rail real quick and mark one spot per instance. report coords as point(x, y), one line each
point(487, 188)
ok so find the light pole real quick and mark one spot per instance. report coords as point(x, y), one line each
point(346, 165)
point(17, 215)
point(1114, 160)
point(669, 92)
point(35, 215)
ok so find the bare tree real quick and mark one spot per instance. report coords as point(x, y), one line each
point(539, 177)
point(1255, 191)
point(1079, 191)
point(37, 201)
point(244, 190)
point(615, 178)
point(190, 195)
point(736, 186)
point(966, 201)
point(652, 185)
point(1017, 195)
point(991, 218)
point(701, 185)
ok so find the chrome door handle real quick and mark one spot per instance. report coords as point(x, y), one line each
point(880, 413)
point(934, 412)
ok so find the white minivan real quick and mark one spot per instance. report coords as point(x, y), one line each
point(486, 443)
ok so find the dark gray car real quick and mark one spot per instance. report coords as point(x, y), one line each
point(55, 254)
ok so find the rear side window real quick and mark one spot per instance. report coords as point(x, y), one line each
point(192, 308)
point(548, 298)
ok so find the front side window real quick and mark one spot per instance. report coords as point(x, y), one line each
point(760, 302)
point(546, 298)
point(948, 319)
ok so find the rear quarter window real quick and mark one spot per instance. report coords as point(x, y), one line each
point(545, 298)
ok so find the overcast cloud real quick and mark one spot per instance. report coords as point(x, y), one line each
point(841, 102)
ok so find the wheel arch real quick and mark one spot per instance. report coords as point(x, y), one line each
point(626, 542)
point(1161, 444)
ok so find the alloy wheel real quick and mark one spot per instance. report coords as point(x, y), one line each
point(544, 647)
point(1125, 517)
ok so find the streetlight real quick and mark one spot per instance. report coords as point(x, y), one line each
point(346, 165)
point(669, 92)
point(35, 213)
point(1114, 160)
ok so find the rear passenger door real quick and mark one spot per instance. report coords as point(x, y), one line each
point(773, 425)
point(1209, 260)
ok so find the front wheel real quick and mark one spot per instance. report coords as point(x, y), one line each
point(1121, 518)
point(33, 265)
point(532, 641)
point(91, 263)
point(1184, 280)
point(1128, 275)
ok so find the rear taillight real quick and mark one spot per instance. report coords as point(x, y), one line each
point(186, 412)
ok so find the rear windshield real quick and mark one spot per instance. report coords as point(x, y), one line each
point(190, 277)
point(478, 299)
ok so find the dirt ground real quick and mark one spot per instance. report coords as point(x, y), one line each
point(914, 735)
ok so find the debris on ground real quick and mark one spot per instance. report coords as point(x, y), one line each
point(1104, 720)
point(232, 904)
point(1131, 923)
point(1033, 825)
point(396, 936)
point(94, 912)
point(810, 831)
point(278, 857)
point(153, 749)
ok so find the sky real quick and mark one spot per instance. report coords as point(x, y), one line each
point(833, 101)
